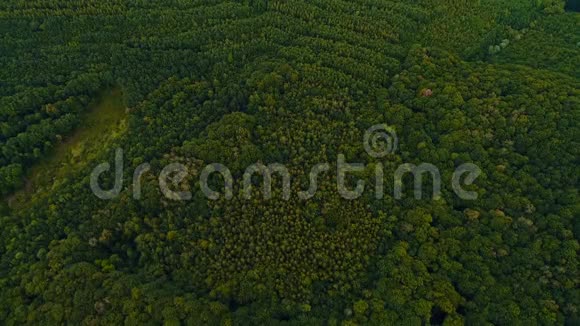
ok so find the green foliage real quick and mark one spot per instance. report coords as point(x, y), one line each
point(553, 6)
point(551, 44)
point(292, 82)
point(10, 178)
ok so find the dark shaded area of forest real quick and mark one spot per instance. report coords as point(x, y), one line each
point(573, 5)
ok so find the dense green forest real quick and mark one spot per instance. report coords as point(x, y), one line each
point(494, 83)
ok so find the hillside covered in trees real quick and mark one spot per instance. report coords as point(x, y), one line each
point(494, 83)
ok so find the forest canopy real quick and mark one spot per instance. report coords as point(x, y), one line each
point(493, 83)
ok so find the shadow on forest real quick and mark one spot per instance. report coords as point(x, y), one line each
point(573, 5)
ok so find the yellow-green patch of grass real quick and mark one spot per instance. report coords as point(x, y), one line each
point(104, 121)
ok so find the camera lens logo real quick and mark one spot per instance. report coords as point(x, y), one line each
point(380, 141)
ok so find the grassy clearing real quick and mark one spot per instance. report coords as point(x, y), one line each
point(104, 121)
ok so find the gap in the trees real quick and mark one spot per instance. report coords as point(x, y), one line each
point(437, 316)
point(573, 5)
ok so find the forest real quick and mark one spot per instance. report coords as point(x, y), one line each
point(495, 83)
